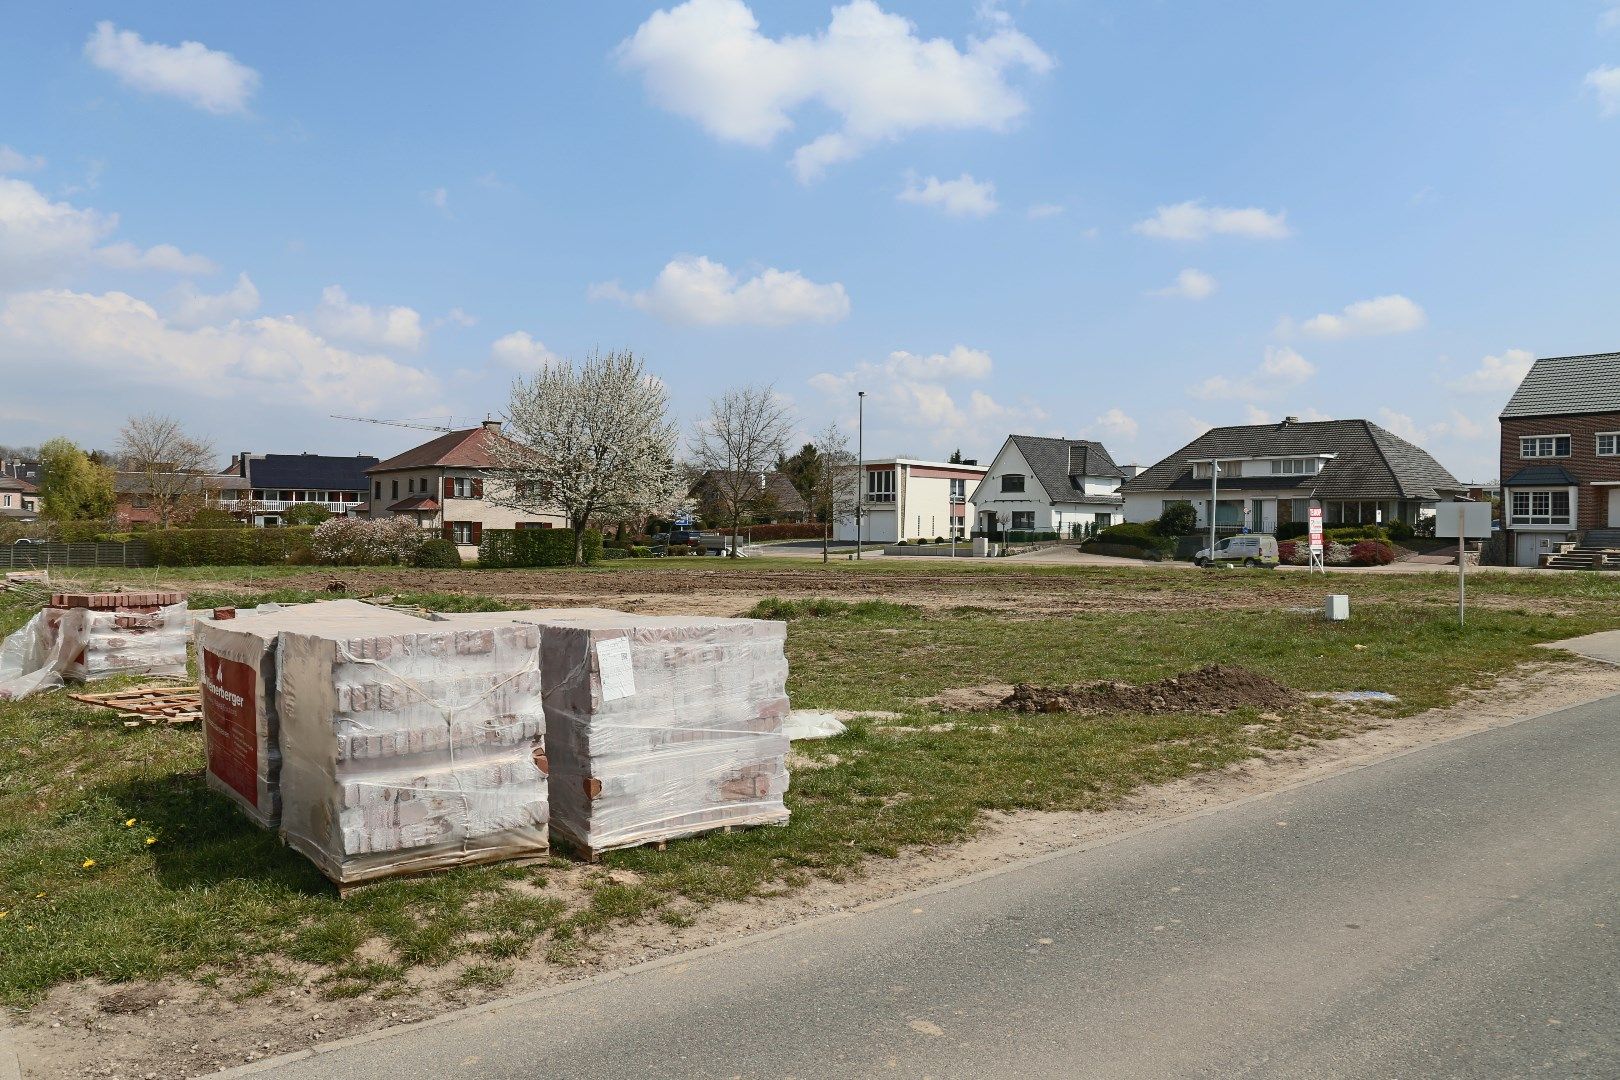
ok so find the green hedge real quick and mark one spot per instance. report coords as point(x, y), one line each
point(1132, 535)
point(535, 547)
point(437, 554)
point(228, 547)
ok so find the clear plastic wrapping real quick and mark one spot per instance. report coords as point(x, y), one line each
point(410, 751)
point(659, 727)
point(83, 644)
point(236, 663)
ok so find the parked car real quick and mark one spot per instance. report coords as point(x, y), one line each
point(710, 543)
point(1250, 549)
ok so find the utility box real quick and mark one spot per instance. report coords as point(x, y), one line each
point(981, 547)
point(1338, 608)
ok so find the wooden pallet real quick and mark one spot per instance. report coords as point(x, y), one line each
point(145, 706)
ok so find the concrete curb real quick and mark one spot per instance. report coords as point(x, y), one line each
point(689, 955)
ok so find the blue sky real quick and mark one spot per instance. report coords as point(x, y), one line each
point(1119, 220)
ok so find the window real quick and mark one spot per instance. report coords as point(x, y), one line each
point(1296, 466)
point(258, 494)
point(1012, 482)
point(461, 532)
point(958, 491)
point(7, 501)
point(1608, 444)
point(1228, 468)
point(1023, 520)
point(1538, 446)
point(1103, 520)
point(462, 487)
point(395, 494)
point(377, 490)
point(534, 524)
point(1540, 508)
point(880, 485)
point(139, 502)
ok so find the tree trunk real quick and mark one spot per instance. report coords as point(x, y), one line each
point(578, 522)
point(826, 539)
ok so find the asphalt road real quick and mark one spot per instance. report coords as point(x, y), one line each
point(1449, 913)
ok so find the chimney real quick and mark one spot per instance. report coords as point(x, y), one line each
point(491, 424)
point(1130, 470)
point(242, 463)
point(1290, 420)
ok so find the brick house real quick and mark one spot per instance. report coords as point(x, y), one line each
point(278, 482)
point(778, 499)
point(445, 485)
point(137, 503)
point(1560, 457)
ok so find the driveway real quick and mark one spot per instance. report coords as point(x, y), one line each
point(1447, 913)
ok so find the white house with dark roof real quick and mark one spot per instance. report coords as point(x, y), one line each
point(1039, 484)
point(1269, 474)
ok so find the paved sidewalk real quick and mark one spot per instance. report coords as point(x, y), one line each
point(1604, 647)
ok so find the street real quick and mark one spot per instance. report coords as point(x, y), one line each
point(1451, 913)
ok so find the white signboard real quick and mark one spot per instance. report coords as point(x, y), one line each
point(1472, 518)
point(1316, 530)
point(613, 663)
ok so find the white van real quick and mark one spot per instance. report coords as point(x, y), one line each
point(1250, 549)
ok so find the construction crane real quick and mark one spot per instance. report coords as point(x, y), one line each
point(397, 423)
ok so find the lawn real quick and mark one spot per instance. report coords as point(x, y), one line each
point(117, 862)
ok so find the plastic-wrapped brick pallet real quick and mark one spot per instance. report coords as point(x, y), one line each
point(236, 661)
point(408, 752)
point(659, 727)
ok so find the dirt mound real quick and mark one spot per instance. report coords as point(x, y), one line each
point(1217, 688)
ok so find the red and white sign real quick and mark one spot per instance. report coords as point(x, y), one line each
point(230, 722)
point(1316, 530)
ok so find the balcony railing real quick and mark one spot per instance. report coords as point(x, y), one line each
point(271, 506)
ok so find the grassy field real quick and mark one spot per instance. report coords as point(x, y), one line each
point(117, 862)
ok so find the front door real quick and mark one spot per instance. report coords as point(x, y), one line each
point(1614, 508)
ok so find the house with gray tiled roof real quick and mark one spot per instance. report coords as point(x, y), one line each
point(1560, 458)
point(1040, 484)
point(1270, 474)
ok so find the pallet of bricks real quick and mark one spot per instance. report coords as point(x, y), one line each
point(385, 744)
point(82, 637)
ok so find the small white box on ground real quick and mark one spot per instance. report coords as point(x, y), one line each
point(1338, 608)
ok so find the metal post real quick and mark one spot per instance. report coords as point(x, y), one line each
point(1214, 504)
point(860, 475)
point(1462, 566)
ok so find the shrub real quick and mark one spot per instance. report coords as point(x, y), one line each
point(1336, 554)
point(1285, 551)
point(1400, 531)
point(1178, 518)
point(640, 551)
point(306, 514)
point(1291, 530)
point(228, 547)
point(940, 540)
point(1350, 533)
point(537, 547)
point(901, 543)
point(437, 553)
point(1133, 535)
point(212, 517)
point(785, 530)
point(615, 553)
point(348, 541)
point(1372, 553)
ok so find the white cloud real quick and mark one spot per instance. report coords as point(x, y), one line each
point(1392, 314)
point(115, 338)
point(1114, 424)
point(194, 308)
point(962, 197)
point(211, 80)
point(707, 60)
point(338, 316)
point(1604, 83)
point(40, 238)
point(1194, 221)
point(1044, 210)
point(166, 257)
point(1497, 374)
point(1280, 370)
point(457, 317)
point(960, 363)
point(1458, 427)
point(699, 291)
point(520, 351)
point(438, 198)
point(15, 161)
point(1190, 284)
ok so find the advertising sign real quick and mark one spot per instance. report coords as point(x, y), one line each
point(1316, 530)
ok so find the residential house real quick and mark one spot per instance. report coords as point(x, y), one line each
point(775, 499)
point(278, 482)
point(137, 504)
point(1039, 484)
point(910, 499)
point(446, 486)
point(1270, 474)
point(19, 498)
point(1560, 457)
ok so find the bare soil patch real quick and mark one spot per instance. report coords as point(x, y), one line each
point(180, 1029)
point(1217, 688)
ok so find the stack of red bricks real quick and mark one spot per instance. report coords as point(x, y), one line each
point(119, 633)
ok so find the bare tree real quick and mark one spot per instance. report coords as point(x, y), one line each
point(833, 484)
point(736, 444)
point(167, 462)
point(595, 444)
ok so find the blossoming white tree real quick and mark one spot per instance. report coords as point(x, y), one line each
point(595, 443)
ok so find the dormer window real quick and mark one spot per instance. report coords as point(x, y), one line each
point(1296, 466)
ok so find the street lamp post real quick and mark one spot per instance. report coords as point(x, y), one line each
point(860, 474)
point(1214, 505)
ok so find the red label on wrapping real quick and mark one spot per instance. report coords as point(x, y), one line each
point(230, 724)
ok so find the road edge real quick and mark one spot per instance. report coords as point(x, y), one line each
point(746, 940)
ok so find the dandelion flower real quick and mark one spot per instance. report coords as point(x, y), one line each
point(3, 914)
point(150, 840)
point(39, 896)
point(88, 863)
point(130, 823)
